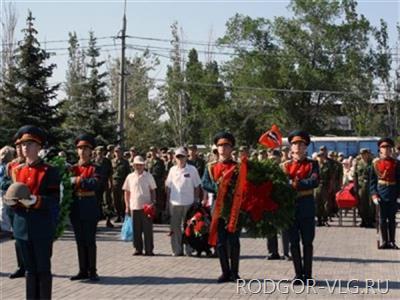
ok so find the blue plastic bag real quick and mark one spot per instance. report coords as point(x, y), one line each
point(127, 230)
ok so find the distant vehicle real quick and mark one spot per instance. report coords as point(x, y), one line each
point(348, 145)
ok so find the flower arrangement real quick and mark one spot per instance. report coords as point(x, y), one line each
point(198, 225)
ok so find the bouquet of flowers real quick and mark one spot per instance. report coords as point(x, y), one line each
point(198, 225)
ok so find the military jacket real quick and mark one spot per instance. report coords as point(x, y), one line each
point(385, 179)
point(39, 220)
point(88, 180)
point(303, 177)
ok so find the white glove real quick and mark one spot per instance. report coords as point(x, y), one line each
point(28, 202)
point(376, 201)
point(73, 180)
point(398, 200)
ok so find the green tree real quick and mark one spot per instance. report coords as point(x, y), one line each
point(27, 96)
point(91, 109)
point(143, 127)
point(74, 90)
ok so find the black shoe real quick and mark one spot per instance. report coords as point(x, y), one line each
point(17, 274)
point(94, 277)
point(393, 246)
point(137, 253)
point(273, 256)
point(385, 246)
point(287, 257)
point(118, 220)
point(149, 254)
point(235, 277)
point(109, 224)
point(79, 276)
point(298, 280)
point(224, 278)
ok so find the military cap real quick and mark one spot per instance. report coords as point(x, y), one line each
point(299, 136)
point(85, 140)
point(364, 150)
point(323, 148)
point(262, 151)
point(224, 137)
point(118, 148)
point(153, 148)
point(99, 148)
point(243, 148)
point(30, 133)
point(110, 147)
point(171, 151)
point(341, 154)
point(385, 142)
point(163, 149)
point(192, 146)
point(133, 148)
point(331, 153)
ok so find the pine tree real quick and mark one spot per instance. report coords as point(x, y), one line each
point(95, 114)
point(27, 96)
point(74, 90)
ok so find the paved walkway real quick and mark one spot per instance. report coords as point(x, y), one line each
point(343, 255)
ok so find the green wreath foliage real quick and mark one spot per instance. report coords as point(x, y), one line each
point(282, 194)
point(66, 201)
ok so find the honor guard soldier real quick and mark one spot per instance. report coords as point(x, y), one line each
point(212, 177)
point(104, 203)
point(384, 187)
point(195, 160)
point(34, 220)
point(121, 170)
point(303, 175)
point(156, 167)
point(86, 179)
point(362, 171)
point(20, 159)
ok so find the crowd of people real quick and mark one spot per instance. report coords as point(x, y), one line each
point(162, 186)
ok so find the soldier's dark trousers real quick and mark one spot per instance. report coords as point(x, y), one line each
point(228, 246)
point(304, 229)
point(36, 255)
point(387, 220)
point(85, 237)
point(18, 251)
point(119, 202)
point(272, 243)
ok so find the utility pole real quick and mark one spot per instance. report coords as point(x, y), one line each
point(121, 98)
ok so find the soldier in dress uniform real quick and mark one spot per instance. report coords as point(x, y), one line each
point(384, 187)
point(228, 244)
point(121, 170)
point(303, 175)
point(156, 167)
point(20, 159)
point(34, 225)
point(105, 166)
point(324, 190)
point(362, 171)
point(85, 213)
point(195, 160)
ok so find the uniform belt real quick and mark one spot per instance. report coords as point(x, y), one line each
point(304, 193)
point(386, 182)
point(86, 194)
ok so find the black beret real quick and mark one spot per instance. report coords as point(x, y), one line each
point(30, 133)
point(299, 135)
point(85, 140)
point(387, 141)
point(224, 135)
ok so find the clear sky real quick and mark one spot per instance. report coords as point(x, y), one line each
point(54, 19)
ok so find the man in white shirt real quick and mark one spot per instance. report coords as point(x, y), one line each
point(140, 190)
point(183, 187)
